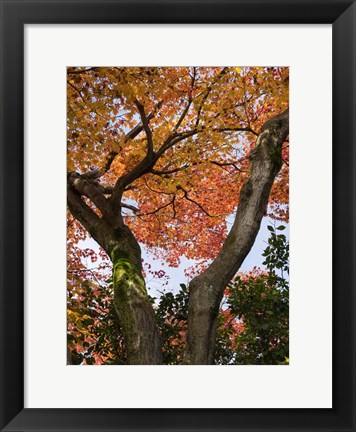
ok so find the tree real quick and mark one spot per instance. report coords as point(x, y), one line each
point(162, 156)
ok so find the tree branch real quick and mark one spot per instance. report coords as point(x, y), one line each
point(206, 290)
point(159, 208)
point(207, 92)
point(146, 127)
point(84, 187)
point(224, 164)
point(96, 226)
point(185, 192)
point(167, 172)
point(266, 161)
point(190, 100)
point(235, 129)
point(77, 90)
point(130, 207)
point(81, 71)
point(95, 174)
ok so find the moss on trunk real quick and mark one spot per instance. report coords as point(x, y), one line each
point(135, 311)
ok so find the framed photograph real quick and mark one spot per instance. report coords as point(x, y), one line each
point(177, 215)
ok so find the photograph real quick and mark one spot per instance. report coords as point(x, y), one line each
point(177, 215)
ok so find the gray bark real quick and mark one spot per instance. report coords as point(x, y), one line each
point(135, 312)
point(206, 290)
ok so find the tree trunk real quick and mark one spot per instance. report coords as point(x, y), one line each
point(136, 315)
point(207, 289)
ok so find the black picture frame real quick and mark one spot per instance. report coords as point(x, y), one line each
point(14, 15)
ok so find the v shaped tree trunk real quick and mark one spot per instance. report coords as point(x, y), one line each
point(142, 341)
point(206, 290)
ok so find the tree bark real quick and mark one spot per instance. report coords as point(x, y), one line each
point(207, 289)
point(136, 315)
